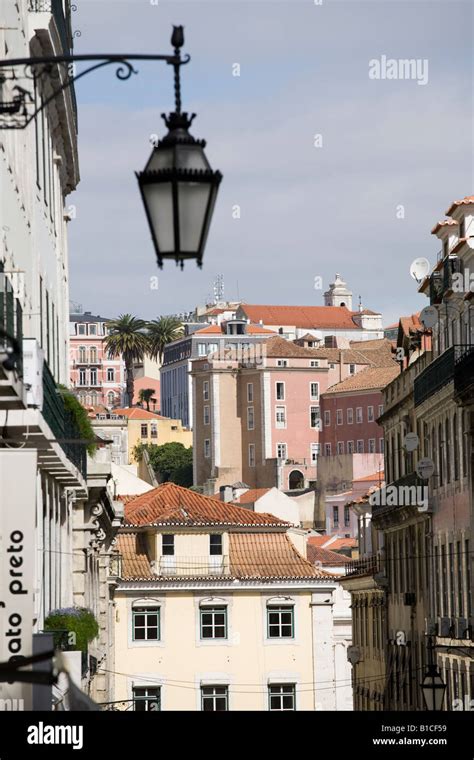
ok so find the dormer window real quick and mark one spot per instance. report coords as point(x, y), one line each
point(81, 329)
point(167, 545)
point(215, 544)
point(92, 329)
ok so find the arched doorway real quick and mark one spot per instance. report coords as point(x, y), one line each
point(295, 480)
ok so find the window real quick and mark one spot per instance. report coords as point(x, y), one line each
point(350, 416)
point(370, 414)
point(202, 349)
point(327, 417)
point(214, 698)
point(250, 392)
point(282, 363)
point(282, 696)
point(144, 430)
point(146, 623)
point(335, 517)
point(371, 445)
point(93, 376)
point(327, 449)
point(250, 418)
point(147, 698)
point(205, 390)
point(207, 415)
point(331, 366)
point(213, 622)
point(314, 391)
point(82, 377)
point(281, 450)
point(167, 544)
point(280, 621)
point(314, 451)
point(215, 544)
point(381, 446)
point(280, 417)
point(110, 375)
point(280, 391)
point(339, 420)
point(154, 430)
point(251, 455)
point(110, 399)
point(81, 329)
point(340, 447)
point(93, 354)
point(94, 399)
point(207, 448)
point(212, 348)
point(350, 447)
point(314, 415)
point(352, 369)
point(347, 517)
point(359, 414)
point(92, 329)
point(360, 447)
point(380, 410)
point(314, 363)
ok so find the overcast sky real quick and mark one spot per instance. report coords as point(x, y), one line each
point(306, 211)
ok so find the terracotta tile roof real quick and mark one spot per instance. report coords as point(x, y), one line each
point(370, 345)
point(278, 347)
point(466, 201)
point(137, 413)
point(220, 330)
point(318, 540)
point(444, 223)
point(374, 476)
point(252, 495)
point(268, 555)
point(209, 330)
point(343, 543)
point(372, 378)
point(310, 317)
point(367, 311)
point(135, 559)
point(378, 356)
point(319, 555)
point(170, 504)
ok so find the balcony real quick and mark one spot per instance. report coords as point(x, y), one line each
point(451, 266)
point(11, 349)
point(436, 288)
point(464, 375)
point(369, 565)
point(193, 566)
point(61, 422)
point(437, 374)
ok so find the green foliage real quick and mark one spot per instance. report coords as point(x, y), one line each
point(78, 621)
point(161, 332)
point(145, 395)
point(172, 461)
point(127, 338)
point(80, 417)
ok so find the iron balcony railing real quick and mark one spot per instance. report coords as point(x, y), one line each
point(369, 565)
point(464, 374)
point(436, 287)
point(436, 375)
point(185, 566)
point(62, 423)
point(11, 322)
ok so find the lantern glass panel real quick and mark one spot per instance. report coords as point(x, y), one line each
point(193, 200)
point(190, 157)
point(161, 158)
point(159, 203)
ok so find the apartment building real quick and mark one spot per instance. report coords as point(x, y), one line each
point(217, 597)
point(148, 427)
point(96, 377)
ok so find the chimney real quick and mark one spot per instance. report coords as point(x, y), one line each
point(226, 493)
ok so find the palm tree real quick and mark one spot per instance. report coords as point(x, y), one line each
point(161, 332)
point(145, 395)
point(127, 338)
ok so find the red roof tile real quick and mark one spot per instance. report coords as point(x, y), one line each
point(321, 556)
point(137, 413)
point(252, 495)
point(309, 317)
point(467, 200)
point(268, 555)
point(370, 379)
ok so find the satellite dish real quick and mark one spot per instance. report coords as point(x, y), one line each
point(420, 268)
point(411, 441)
point(425, 468)
point(429, 317)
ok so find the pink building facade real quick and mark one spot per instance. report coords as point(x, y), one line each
point(95, 377)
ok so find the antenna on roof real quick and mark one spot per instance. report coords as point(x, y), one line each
point(360, 303)
point(219, 288)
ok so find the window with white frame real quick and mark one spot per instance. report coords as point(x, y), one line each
point(380, 410)
point(280, 621)
point(280, 417)
point(339, 418)
point(202, 349)
point(281, 451)
point(347, 516)
point(250, 418)
point(281, 696)
point(144, 430)
point(370, 414)
point(251, 455)
point(360, 446)
point(314, 416)
point(371, 445)
point(350, 416)
point(81, 329)
point(212, 348)
point(110, 375)
point(207, 448)
point(314, 363)
point(250, 392)
point(147, 698)
point(154, 430)
point(381, 445)
point(359, 417)
point(327, 449)
point(145, 623)
point(350, 447)
point(327, 417)
point(82, 354)
point(167, 544)
point(280, 391)
point(110, 398)
point(282, 363)
point(314, 391)
point(82, 377)
point(213, 622)
point(352, 369)
point(92, 329)
point(340, 447)
point(93, 354)
point(205, 390)
point(93, 376)
point(215, 544)
point(331, 365)
point(335, 516)
point(206, 415)
point(314, 452)
point(214, 698)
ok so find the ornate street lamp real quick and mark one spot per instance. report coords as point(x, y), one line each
point(178, 186)
point(433, 686)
